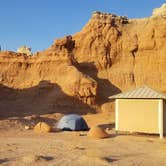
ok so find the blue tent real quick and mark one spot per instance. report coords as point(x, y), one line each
point(72, 122)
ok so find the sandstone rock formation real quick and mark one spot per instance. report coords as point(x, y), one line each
point(46, 82)
point(110, 54)
point(25, 50)
point(160, 12)
point(97, 132)
point(42, 127)
point(126, 52)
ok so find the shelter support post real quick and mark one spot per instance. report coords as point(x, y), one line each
point(160, 118)
point(116, 114)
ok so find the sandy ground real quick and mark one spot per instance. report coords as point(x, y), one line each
point(19, 147)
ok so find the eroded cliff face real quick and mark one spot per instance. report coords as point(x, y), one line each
point(46, 82)
point(128, 53)
point(56, 65)
point(109, 55)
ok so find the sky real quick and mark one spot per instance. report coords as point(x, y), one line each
point(37, 23)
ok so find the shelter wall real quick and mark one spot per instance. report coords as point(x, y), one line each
point(138, 115)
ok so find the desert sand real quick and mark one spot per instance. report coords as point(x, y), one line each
point(20, 147)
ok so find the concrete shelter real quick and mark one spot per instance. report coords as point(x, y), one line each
point(141, 110)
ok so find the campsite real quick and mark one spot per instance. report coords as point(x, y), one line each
point(26, 147)
point(82, 83)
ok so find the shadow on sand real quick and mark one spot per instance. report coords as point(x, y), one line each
point(3, 160)
point(45, 98)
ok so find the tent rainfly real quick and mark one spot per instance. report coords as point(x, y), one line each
point(72, 122)
point(141, 110)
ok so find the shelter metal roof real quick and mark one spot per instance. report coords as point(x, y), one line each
point(143, 92)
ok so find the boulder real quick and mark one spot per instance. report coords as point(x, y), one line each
point(97, 132)
point(42, 127)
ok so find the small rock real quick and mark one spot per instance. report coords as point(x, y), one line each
point(107, 129)
point(82, 134)
point(27, 127)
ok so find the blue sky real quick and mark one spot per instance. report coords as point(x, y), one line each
point(37, 23)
